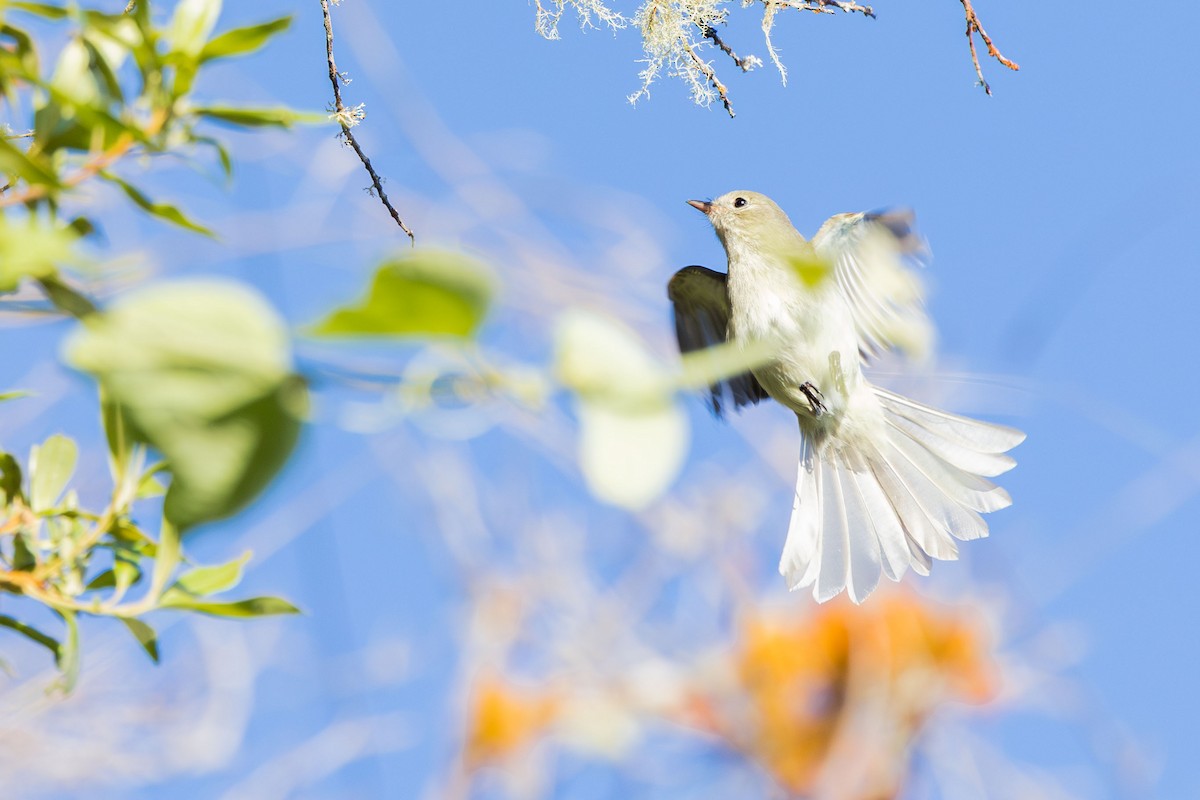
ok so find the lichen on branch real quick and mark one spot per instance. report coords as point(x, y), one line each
point(678, 35)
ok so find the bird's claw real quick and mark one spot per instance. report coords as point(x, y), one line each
point(815, 398)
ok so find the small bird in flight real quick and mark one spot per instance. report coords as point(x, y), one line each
point(885, 483)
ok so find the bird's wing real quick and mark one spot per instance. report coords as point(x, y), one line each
point(873, 254)
point(701, 319)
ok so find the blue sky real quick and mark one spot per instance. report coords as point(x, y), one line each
point(1061, 213)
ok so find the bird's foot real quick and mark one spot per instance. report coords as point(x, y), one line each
point(816, 400)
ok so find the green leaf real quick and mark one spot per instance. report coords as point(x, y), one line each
point(261, 117)
point(240, 41)
point(41, 9)
point(49, 642)
point(191, 24)
point(66, 298)
point(31, 248)
point(145, 635)
point(201, 370)
point(15, 395)
point(252, 607)
point(633, 435)
point(50, 468)
point(427, 293)
point(21, 165)
point(67, 656)
point(203, 581)
point(166, 557)
point(10, 477)
point(164, 211)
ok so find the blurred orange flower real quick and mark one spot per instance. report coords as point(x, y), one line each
point(502, 718)
point(843, 691)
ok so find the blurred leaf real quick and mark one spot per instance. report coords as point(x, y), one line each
point(67, 656)
point(601, 359)
point(49, 642)
point(13, 395)
point(46, 10)
point(252, 607)
point(145, 635)
point(240, 41)
point(10, 477)
point(32, 170)
point(166, 557)
point(201, 370)
point(427, 293)
point(629, 458)
point(50, 468)
point(191, 24)
point(633, 435)
point(31, 248)
point(65, 298)
point(164, 211)
point(261, 117)
point(702, 368)
point(202, 581)
point(149, 485)
point(811, 268)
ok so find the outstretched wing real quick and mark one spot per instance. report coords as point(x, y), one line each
point(873, 254)
point(701, 319)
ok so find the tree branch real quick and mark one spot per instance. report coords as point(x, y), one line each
point(347, 118)
point(974, 27)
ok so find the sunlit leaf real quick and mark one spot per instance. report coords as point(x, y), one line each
point(629, 458)
point(241, 41)
point(202, 373)
point(191, 24)
point(146, 636)
point(51, 465)
point(633, 435)
point(29, 248)
point(164, 211)
point(202, 581)
point(13, 395)
point(19, 164)
point(261, 117)
point(425, 293)
point(251, 607)
point(47, 10)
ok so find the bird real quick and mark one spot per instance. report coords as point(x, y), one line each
point(884, 483)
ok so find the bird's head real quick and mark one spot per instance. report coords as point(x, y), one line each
point(748, 221)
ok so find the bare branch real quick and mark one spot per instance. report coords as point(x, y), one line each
point(711, 76)
point(974, 27)
point(744, 64)
point(348, 117)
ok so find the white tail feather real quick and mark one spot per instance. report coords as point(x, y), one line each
point(896, 503)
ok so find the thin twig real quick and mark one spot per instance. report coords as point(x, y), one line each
point(744, 64)
point(346, 118)
point(825, 6)
point(711, 76)
point(974, 27)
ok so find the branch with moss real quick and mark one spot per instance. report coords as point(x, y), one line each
point(676, 34)
point(347, 118)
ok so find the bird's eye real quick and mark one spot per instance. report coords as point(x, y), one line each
point(738, 203)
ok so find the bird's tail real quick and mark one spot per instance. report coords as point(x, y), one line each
point(900, 502)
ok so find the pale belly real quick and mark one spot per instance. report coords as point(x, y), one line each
point(817, 374)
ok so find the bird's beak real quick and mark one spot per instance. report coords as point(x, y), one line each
point(701, 205)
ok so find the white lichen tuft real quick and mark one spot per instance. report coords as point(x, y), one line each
point(591, 13)
point(673, 38)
